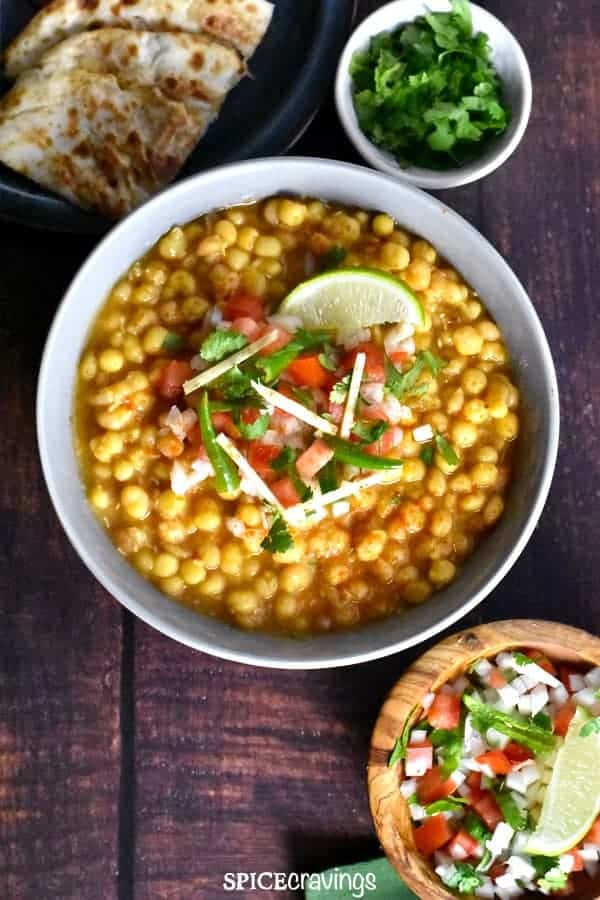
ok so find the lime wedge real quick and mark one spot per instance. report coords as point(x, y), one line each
point(349, 299)
point(572, 800)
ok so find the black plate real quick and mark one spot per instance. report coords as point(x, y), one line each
point(292, 71)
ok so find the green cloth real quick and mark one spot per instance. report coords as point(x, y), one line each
point(374, 879)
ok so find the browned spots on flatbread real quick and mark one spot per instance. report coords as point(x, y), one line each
point(89, 4)
point(82, 149)
point(72, 122)
point(251, 8)
point(129, 2)
point(132, 50)
point(197, 60)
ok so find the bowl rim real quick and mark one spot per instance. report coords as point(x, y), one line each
point(51, 466)
point(457, 651)
point(420, 177)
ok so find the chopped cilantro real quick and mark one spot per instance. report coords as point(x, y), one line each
point(451, 804)
point(516, 727)
point(369, 432)
point(522, 659)
point(476, 827)
point(464, 878)
point(404, 384)
point(428, 91)
point(543, 720)
point(305, 397)
point(399, 751)
point(286, 458)
point(591, 727)
point(446, 450)
point(173, 342)
point(554, 880)
point(235, 384)
point(513, 814)
point(327, 358)
point(251, 431)
point(339, 391)
point(278, 539)
point(328, 479)
point(450, 744)
point(333, 257)
point(220, 344)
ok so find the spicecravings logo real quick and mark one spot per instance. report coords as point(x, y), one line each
point(334, 881)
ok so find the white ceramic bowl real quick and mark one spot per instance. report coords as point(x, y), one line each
point(461, 244)
point(509, 60)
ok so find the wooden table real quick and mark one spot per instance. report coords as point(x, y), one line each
point(132, 767)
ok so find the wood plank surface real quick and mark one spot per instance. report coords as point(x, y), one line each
point(132, 768)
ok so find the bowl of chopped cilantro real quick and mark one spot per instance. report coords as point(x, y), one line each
point(438, 93)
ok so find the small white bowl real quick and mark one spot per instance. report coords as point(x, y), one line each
point(508, 59)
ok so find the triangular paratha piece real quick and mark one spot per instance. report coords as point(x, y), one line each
point(239, 23)
point(99, 144)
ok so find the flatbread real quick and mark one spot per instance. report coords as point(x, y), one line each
point(186, 67)
point(99, 144)
point(240, 23)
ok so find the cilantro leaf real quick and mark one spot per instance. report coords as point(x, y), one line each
point(451, 804)
point(339, 391)
point(543, 720)
point(399, 751)
point(513, 814)
point(554, 880)
point(251, 431)
point(446, 450)
point(220, 344)
point(333, 257)
point(173, 342)
point(522, 659)
point(591, 727)
point(516, 727)
point(327, 358)
point(450, 744)
point(304, 396)
point(286, 458)
point(464, 878)
point(279, 538)
point(402, 384)
point(235, 384)
point(369, 432)
point(476, 827)
point(328, 479)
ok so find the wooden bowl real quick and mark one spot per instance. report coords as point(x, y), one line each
point(444, 662)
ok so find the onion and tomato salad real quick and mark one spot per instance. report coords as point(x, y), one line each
point(476, 765)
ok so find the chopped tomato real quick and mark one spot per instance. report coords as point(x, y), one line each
point(223, 421)
point(497, 761)
point(517, 753)
point(474, 781)
point(562, 718)
point(388, 440)
point(285, 492)
point(433, 786)
point(194, 436)
point(313, 459)
point(260, 457)
point(307, 371)
point(463, 846)
point(488, 809)
point(246, 326)
point(593, 835)
point(282, 338)
point(496, 679)
point(374, 366)
point(172, 378)
point(541, 659)
point(497, 870)
point(419, 759)
point(433, 834)
point(398, 357)
point(242, 305)
point(444, 712)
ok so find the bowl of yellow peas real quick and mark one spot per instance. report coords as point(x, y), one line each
point(297, 414)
